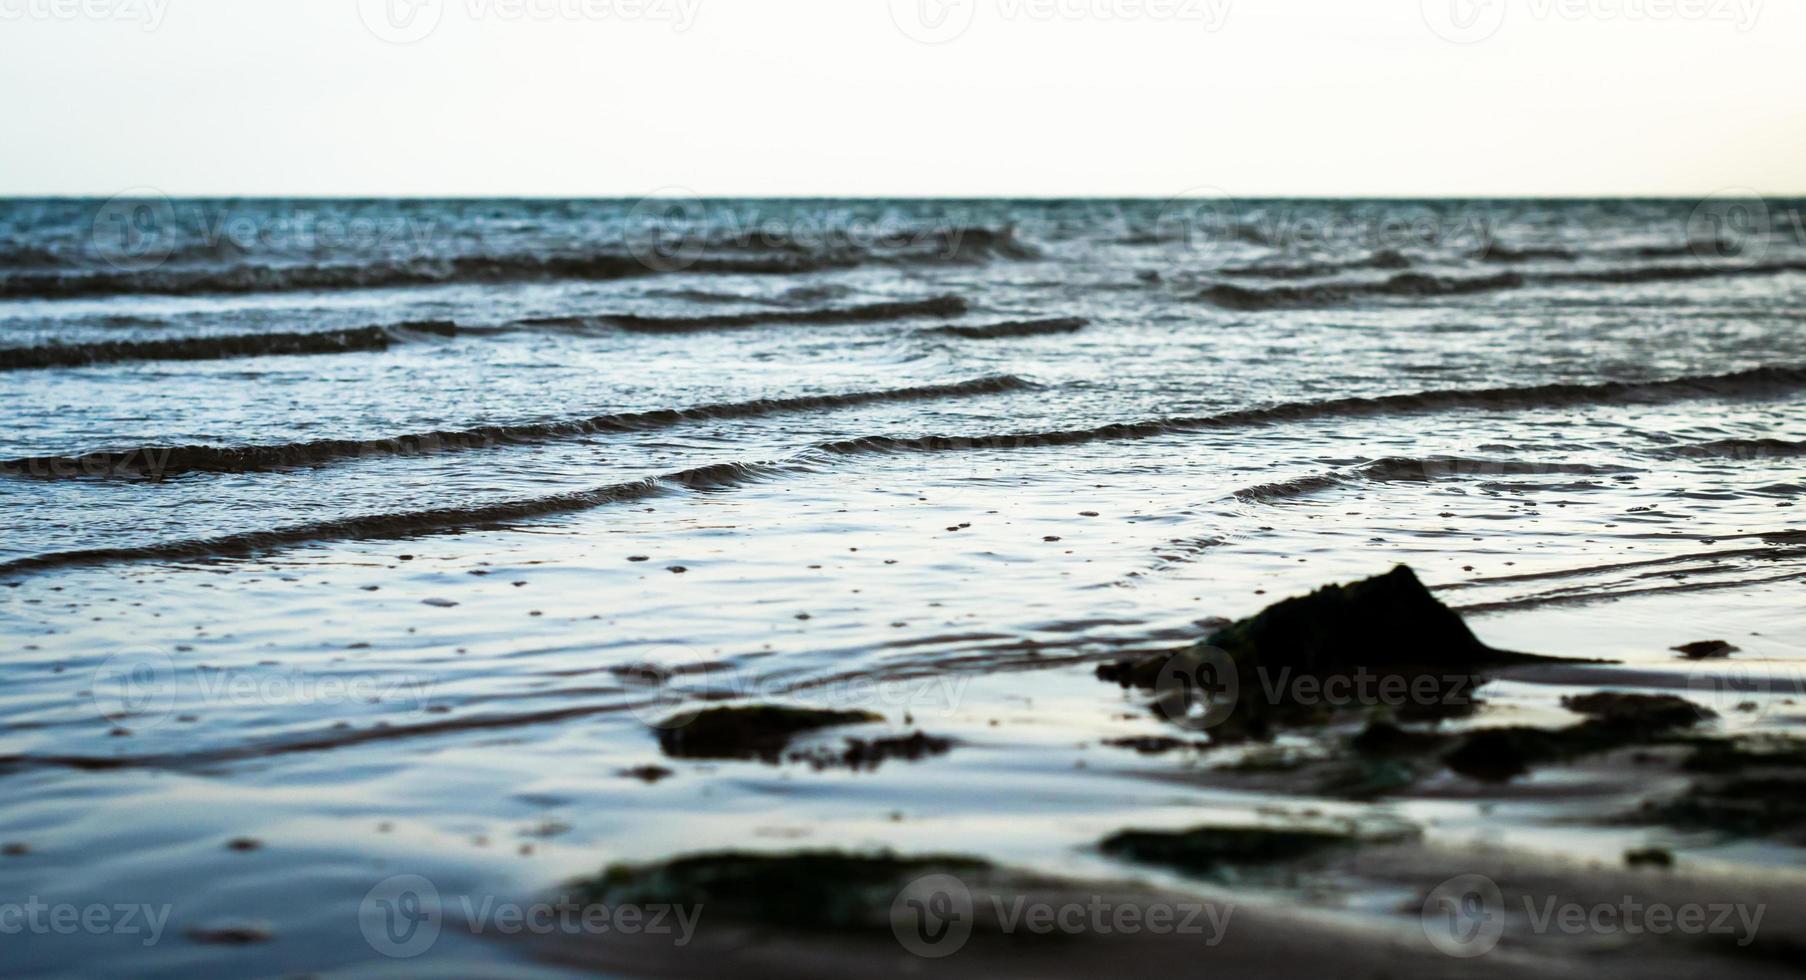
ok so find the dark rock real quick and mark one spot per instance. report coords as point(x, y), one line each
point(1384, 627)
point(1769, 805)
point(1647, 712)
point(870, 754)
point(236, 934)
point(806, 890)
point(750, 732)
point(1615, 721)
point(1706, 650)
point(648, 774)
point(1214, 850)
point(1649, 857)
point(1386, 739)
point(1387, 622)
point(1152, 744)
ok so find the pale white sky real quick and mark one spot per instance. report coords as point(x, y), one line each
point(843, 97)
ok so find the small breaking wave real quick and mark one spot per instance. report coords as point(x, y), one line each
point(157, 462)
point(720, 476)
point(1403, 469)
point(1410, 284)
point(1387, 259)
point(1013, 328)
point(1672, 273)
point(211, 348)
point(1736, 449)
point(943, 307)
point(1754, 382)
point(937, 246)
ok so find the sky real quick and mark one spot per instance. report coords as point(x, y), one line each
point(1153, 98)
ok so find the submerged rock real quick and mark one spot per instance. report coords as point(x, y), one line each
point(750, 732)
point(1614, 721)
point(805, 890)
point(1649, 857)
point(1387, 622)
point(1706, 650)
point(1216, 850)
point(1387, 634)
point(869, 754)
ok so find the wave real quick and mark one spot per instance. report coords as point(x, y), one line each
point(943, 307)
point(157, 462)
point(1751, 383)
point(720, 476)
point(210, 348)
point(1672, 273)
point(1512, 255)
point(938, 246)
point(1405, 285)
point(1571, 598)
point(1754, 382)
point(1235, 297)
point(1736, 449)
point(1013, 328)
point(1387, 259)
point(1403, 469)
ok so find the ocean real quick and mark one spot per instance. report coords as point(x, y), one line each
point(354, 539)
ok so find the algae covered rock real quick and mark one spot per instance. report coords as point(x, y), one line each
point(805, 890)
point(1380, 642)
point(1231, 852)
point(1614, 721)
point(750, 731)
point(1383, 623)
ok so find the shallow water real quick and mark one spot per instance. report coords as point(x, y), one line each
point(1579, 421)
